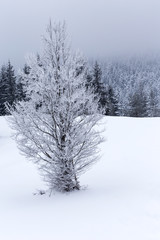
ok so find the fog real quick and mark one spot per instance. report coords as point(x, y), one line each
point(99, 28)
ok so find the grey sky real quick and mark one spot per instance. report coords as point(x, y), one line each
point(97, 27)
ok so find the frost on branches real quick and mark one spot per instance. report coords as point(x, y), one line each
point(55, 127)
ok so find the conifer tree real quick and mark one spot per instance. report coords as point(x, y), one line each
point(2, 90)
point(112, 108)
point(21, 84)
point(153, 104)
point(7, 87)
point(10, 84)
point(94, 80)
point(138, 103)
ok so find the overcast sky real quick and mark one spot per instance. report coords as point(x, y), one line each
point(98, 27)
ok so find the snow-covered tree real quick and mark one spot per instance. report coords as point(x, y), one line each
point(7, 87)
point(2, 90)
point(10, 84)
point(21, 95)
point(112, 108)
point(153, 103)
point(94, 80)
point(138, 104)
point(55, 128)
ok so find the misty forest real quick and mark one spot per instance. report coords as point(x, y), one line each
point(125, 87)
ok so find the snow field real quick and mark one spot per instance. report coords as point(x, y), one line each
point(121, 202)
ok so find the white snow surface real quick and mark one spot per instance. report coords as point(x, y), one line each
point(121, 202)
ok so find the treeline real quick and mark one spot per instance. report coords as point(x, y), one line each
point(124, 87)
point(128, 87)
point(11, 87)
point(136, 85)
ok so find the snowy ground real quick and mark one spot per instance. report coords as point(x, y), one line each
point(122, 201)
